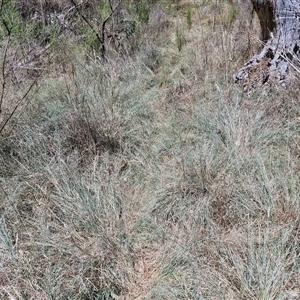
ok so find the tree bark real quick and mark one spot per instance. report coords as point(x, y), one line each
point(278, 61)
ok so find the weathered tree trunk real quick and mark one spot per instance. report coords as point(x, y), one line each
point(278, 60)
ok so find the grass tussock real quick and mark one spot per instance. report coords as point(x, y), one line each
point(151, 175)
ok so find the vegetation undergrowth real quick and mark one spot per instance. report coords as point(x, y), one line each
point(145, 173)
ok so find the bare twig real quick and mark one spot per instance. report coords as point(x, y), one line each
point(19, 103)
point(100, 38)
point(110, 4)
point(86, 20)
point(5, 72)
point(104, 23)
point(1, 6)
point(4, 63)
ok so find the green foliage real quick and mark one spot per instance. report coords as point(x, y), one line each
point(92, 41)
point(143, 9)
point(189, 17)
point(104, 9)
point(232, 14)
point(179, 38)
point(11, 21)
point(22, 30)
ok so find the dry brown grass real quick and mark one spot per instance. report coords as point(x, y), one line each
point(153, 176)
